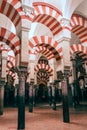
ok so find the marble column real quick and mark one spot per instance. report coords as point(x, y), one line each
point(64, 85)
point(34, 95)
point(2, 83)
point(75, 82)
point(64, 42)
point(50, 95)
point(15, 94)
point(31, 97)
point(16, 85)
point(22, 72)
point(53, 96)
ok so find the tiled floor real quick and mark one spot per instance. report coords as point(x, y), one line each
point(44, 118)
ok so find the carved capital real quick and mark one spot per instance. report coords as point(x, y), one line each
point(27, 8)
point(22, 72)
point(4, 58)
point(2, 82)
point(65, 22)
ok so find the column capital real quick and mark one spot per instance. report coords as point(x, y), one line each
point(31, 81)
point(4, 57)
point(22, 72)
point(2, 82)
point(65, 22)
point(27, 8)
point(52, 84)
point(66, 71)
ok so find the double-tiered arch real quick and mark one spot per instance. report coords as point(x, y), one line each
point(11, 40)
point(39, 42)
point(78, 26)
point(12, 9)
point(80, 50)
point(43, 71)
point(48, 15)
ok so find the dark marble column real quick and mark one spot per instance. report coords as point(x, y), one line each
point(31, 97)
point(15, 95)
point(2, 83)
point(50, 95)
point(34, 95)
point(53, 96)
point(64, 85)
point(75, 83)
point(22, 72)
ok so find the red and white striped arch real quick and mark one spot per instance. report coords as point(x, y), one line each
point(11, 74)
point(42, 77)
point(48, 43)
point(48, 54)
point(78, 26)
point(45, 8)
point(47, 68)
point(80, 50)
point(10, 59)
point(48, 15)
point(10, 39)
point(10, 63)
point(3, 49)
point(13, 10)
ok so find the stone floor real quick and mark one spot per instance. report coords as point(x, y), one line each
point(44, 118)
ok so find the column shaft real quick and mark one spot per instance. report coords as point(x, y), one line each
point(53, 97)
point(22, 72)
point(1, 99)
point(50, 95)
point(65, 101)
point(31, 98)
point(15, 95)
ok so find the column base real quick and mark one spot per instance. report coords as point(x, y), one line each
point(20, 129)
point(54, 107)
point(1, 113)
point(30, 108)
point(66, 117)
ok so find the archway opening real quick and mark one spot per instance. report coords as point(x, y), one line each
point(42, 95)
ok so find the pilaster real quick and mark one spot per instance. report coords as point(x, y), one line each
point(4, 55)
point(24, 46)
point(31, 65)
point(52, 64)
point(64, 42)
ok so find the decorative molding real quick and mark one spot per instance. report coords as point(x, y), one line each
point(64, 39)
point(2, 82)
point(65, 22)
point(27, 9)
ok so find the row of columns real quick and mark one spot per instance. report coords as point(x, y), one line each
point(3, 62)
point(22, 72)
